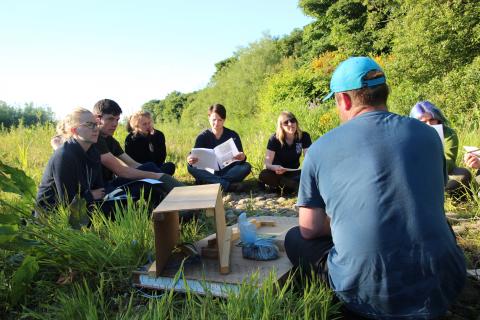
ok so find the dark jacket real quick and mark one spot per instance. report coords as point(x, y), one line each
point(70, 171)
point(146, 148)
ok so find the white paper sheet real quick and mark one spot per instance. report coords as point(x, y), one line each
point(472, 150)
point(207, 160)
point(216, 158)
point(439, 129)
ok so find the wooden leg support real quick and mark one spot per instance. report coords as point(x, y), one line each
point(167, 234)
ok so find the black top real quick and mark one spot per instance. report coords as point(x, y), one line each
point(105, 145)
point(288, 156)
point(207, 139)
point(146, 148)
point(70, 171)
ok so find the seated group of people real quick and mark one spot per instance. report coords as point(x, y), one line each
point(77, 169)
point(88, 163)
point(370, 223)
point(93, 172)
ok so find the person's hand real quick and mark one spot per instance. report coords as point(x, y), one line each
point(240, 156)
point(192, 160)
point(279, 169)
point(471, 160)
point(98, 194)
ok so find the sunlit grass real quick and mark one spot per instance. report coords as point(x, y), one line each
point(99, 260)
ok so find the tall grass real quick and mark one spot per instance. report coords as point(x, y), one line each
point(93, 265)
point(268, 301)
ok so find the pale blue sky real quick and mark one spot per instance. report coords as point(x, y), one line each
point(64, 54)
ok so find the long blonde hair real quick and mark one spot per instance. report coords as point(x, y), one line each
point(132, 125)
point(280, 133)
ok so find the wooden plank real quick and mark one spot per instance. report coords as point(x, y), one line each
point(190, 198)
point(167, 234)
point(209, 253)
point(262, 223)
point(224, 254)
point(223, 238)
point(236, 231)
point(152, 270)
point(212, 243)
point(210, 212)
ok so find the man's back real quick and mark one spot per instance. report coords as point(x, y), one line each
point(393, 253)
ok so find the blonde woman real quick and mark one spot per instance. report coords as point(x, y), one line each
point(284, 148)
point(146, 144)
point(74, 168)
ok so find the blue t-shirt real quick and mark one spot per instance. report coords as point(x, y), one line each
point(380, 178)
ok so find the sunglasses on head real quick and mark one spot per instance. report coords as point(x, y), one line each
point(291, 121)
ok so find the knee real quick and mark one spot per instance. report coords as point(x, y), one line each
point(149, 166)
point(291, 243)
point(263, 174)
point(292, 238)
point(266, 176)
point(246, 168)
point(169, 167)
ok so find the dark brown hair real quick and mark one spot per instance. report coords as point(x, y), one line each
point(218, 109)
point(106, 106)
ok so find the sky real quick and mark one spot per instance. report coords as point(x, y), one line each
point(63, 54)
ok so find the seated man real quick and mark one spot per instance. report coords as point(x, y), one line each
point(369, 221)
point(116, 162)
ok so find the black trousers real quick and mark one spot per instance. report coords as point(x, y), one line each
point(308, 255)
point(311, 256)
point(290, 179)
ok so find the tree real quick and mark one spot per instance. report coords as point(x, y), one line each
point(28, 115)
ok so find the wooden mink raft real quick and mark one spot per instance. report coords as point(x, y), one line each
point(221, 265)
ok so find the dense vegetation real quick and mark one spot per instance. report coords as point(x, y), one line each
point(429, 49)
point(28, 115)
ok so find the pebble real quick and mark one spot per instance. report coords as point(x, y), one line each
point(281, 199)
point(242, 201)
point(458, 229)
point(240, 207)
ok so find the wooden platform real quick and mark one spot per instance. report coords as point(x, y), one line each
point(205, 276)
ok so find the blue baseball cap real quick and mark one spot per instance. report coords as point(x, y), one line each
point(350, 73)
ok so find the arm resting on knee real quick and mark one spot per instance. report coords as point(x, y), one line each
point(313, 223)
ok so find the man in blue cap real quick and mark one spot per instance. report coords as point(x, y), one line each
point(370, 224)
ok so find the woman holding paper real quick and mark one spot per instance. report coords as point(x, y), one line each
point(230, 166)
point(74, 170)
point(284, 148)
point(458, 178)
